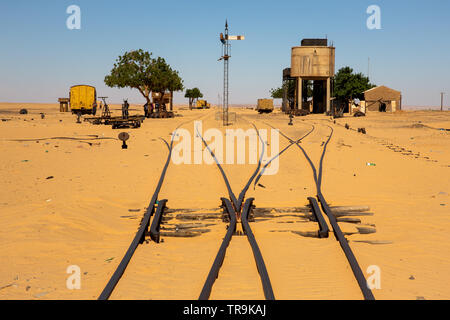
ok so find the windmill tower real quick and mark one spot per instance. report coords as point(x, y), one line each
point(226, 46)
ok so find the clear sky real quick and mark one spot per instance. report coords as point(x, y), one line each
point(40, 58)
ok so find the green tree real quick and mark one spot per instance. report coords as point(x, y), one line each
point(277, 93)
point(349, 85)
point(138, 70)
point(132, 70)
point(193, 94)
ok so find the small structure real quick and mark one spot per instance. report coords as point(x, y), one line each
point(313, 60)
point(63, 104)
point(376, 97)
point(265, 106)
point(167, 99)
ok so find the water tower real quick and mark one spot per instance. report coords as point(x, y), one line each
point(313, 60)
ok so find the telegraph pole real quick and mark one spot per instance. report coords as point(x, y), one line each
point(442, 101)
point(225, 39)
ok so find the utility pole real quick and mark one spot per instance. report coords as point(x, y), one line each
point(225, 38)
point(442, 101)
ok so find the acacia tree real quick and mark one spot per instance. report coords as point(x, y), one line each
point(349, 85)
point(138, 70)
point(193, 94)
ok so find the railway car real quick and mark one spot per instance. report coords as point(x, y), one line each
point(203, 104)
point(83, 99)
point(265, 105)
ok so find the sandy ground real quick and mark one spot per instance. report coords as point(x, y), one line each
point(79, 202)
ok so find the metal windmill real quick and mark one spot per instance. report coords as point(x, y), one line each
point(225, 38)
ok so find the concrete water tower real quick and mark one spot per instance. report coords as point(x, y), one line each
point(313, 60)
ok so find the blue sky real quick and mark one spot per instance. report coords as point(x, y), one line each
point(40, 58)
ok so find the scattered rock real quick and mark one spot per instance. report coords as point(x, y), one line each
point(23, 111)
point(306, 234)
point(38, 295)
point(349, 220)
point(374, 242)
point(412, 278)
point(420, 298)
point(51, 177)
point(363, 230)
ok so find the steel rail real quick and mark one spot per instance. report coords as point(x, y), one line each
point(280, 153)
point(245, 189)
point(232, 211)
point(156, 222)
point(356, 269)
point(227, 183)
point(220, 257)
point(143, 228)
point(265, 280)
point(323, 227)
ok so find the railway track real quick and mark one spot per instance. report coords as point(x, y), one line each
point(155, 208)
point(318, 175)
point(237, 211)
point(143, 229)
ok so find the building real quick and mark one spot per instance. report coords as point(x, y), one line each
point(313, 60)
point(375, 97)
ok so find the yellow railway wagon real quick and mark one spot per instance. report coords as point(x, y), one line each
point(83, 99)
point(265, 105)
point(203, 104)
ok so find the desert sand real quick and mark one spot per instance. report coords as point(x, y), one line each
point(79, 202)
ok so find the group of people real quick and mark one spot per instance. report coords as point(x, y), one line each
point(148, 109)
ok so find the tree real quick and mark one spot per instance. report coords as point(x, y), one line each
point(277, 93)
point(132, 70)
point(348, 85)
point(193, 94)
point(138, 70)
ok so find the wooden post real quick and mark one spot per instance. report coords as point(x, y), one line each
point(300, 93)
point(328, 95)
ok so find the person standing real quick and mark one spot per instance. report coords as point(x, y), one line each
point(146, 109)
point(125, 107)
